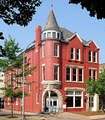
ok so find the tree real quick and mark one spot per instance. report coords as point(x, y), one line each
point(10, 64)
point(97, 87)
point(17, 12)
point(95, 8)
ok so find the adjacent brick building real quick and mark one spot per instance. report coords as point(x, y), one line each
point(64, 61)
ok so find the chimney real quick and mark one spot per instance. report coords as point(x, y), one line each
point(38, 35)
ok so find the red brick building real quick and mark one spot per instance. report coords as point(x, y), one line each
point(64, 61)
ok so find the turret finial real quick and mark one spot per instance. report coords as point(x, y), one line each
point(51, 6)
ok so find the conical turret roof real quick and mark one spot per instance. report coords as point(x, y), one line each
point(51, 22)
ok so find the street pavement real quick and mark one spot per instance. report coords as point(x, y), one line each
point(4, 115)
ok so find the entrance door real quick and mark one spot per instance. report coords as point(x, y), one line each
point(52, 104)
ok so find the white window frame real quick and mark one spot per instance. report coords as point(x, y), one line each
point(74, 95)
point(90, 56)
point(78, 54)
point(56, 65)
point(95, 57)
point(30, 87)
point(45, 34)
point(82, 75)
point(43, 50)
point(43, 76)
point(76, 74)
point(56, 52)
point(37, 99)
point(70, 73)
point(72, 53)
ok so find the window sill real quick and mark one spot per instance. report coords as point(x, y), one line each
point(75, 81)
point(73, 107)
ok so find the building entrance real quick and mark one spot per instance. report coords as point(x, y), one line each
point(51, 102)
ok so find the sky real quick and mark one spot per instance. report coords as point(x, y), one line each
point(69, 16)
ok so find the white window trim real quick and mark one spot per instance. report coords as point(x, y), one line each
point(74, 98)
point(30, 88)
point(43, 65)
point(91, 53)
point(51, 31)
point(37, 101)
point(43, 50)
point(79, 55)
point(77, 71)
point(82, 75)
point(57, 49)
point(95, 57)
point(58, 71)
point(70, 74)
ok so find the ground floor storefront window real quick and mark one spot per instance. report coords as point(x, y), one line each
point(74, 98)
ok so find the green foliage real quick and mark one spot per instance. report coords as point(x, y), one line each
point(11, 48)
point(97, 87)
point(95, 8)
point(18, 11)
point(91, 86)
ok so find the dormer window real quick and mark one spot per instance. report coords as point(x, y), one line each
point(44, 35)
point(51, 34)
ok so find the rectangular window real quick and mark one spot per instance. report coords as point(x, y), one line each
point(56, 72)
point(30, 88)
point(49, 35)
point(43, 50)
point(74, 98)
point(53, 34)
point(78, 54)
point(69, 101)
point(94, 75)
point(72, 53)
point(56, 50)
point(91, 101)
point(43, 72)
point(90, 56)
point(37, 98)
point(74, 78)
point(68, 73)
point(90, 74)
point(80, 71)
point(95, 57)
point(44, 35)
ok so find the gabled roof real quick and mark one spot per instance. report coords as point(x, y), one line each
point(51, 22)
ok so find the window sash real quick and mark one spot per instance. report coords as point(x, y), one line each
point(67, 73)
point(74, 76)
point(56, 50)
point(43, 72)
point(74, 98)
point(72, 53)
point(90, 56)
point(56, 71)
point(80, 78)
point(94, 56)
point(78, 54)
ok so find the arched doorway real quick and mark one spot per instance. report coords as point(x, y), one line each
point(51, 100)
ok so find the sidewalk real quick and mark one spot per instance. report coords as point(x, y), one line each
point(60, 116)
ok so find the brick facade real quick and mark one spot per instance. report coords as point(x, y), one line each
point(62, 67)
